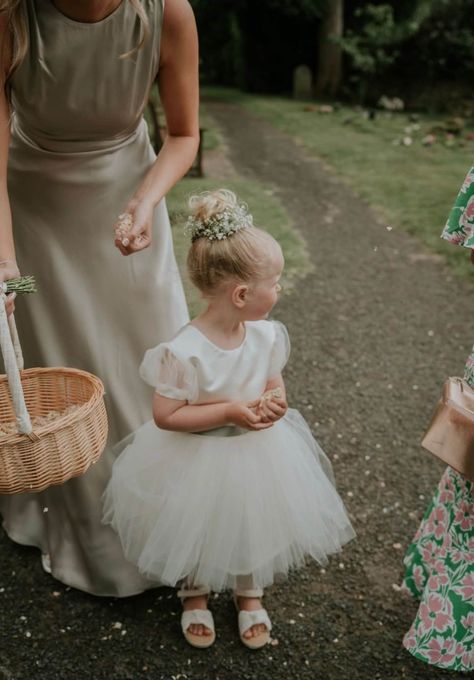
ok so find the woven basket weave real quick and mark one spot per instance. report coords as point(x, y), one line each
point(31, 460)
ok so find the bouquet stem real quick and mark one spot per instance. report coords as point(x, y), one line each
point(22, 284)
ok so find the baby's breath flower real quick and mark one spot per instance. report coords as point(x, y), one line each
point(221, 225)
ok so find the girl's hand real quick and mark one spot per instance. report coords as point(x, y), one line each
point(133, 227)
point(242, 415)
point(271, 410)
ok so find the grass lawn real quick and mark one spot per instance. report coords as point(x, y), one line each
point(410, 187)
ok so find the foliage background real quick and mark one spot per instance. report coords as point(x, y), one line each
point(419, 46)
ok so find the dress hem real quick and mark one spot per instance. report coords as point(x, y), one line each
point(56, 574)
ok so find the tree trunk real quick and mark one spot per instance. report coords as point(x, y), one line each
point(329, 53)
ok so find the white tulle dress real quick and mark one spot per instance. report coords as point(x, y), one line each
point(226, 503)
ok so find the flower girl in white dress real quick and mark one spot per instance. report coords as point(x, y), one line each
point(226, 487)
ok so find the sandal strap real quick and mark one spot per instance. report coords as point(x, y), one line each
point(253, 618)
point(252, 592)
point(201, 617)
point(184, 592)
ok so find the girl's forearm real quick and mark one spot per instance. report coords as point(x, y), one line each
point(198, 418)
point(174, 160)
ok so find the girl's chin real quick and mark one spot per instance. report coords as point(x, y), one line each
point(259, 317)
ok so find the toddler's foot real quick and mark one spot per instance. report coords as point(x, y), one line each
point(254, 623)
point(197, 603)
point(197, 622)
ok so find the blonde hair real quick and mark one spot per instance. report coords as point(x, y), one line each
point(243, 255)
point(18, 32)
point(144, 28)
point(16, 41)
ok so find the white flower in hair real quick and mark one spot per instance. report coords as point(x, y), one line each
point(220, 225)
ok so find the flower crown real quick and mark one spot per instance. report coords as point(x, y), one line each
point(220, 225)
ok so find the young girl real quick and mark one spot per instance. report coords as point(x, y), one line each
point(230, 489)
point(440, 560)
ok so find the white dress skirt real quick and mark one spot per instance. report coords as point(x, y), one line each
point(229, 502)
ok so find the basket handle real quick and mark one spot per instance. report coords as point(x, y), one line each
point(13, 360)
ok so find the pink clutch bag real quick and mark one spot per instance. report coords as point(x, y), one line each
point(450, 435)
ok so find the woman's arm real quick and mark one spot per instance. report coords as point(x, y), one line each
point(8, 266)
point(7, 248)
point(179, 416)
point(178, 81)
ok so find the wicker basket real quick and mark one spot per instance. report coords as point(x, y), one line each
point(31, 460)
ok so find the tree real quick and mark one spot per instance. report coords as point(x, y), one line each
point(372, 47)
point(414, 44)
point(256, 45)
point(329, 64)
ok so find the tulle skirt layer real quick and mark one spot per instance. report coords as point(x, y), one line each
point(216, 507)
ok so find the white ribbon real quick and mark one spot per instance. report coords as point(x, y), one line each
point(247, 619)
point(201, 617)
point(13, 361)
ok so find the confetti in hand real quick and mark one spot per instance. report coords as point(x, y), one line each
point(123, 228)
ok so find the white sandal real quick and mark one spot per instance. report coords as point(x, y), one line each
point(247, 619)
point(46, 562)
point(202, 617)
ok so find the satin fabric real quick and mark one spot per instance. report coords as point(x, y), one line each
point(79, 149)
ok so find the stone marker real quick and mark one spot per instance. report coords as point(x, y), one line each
point(302, 82)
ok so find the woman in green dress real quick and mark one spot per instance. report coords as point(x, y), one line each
point(440, 561)
point(76, 79)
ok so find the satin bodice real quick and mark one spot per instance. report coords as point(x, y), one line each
point(75, 84)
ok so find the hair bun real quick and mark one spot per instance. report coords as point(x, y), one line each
point(209, 203)
point(216, 215)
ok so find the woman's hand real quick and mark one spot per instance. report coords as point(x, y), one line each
point(133, 227)
point(9, 270)
point(10, 303)
point(242, 415)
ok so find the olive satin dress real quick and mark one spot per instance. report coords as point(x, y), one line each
point(79, 149)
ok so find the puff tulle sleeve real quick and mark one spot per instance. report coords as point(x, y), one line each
point(169, 376)
point(280, 349)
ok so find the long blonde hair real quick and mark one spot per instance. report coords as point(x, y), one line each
point(18, 34)
point(17, 37)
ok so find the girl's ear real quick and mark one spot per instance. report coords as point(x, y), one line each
point(240, 295)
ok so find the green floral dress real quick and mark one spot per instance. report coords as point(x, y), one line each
point(440, 561)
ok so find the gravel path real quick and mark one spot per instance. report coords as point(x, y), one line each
point(374, 329)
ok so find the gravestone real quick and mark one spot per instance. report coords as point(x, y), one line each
point(302, 82)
